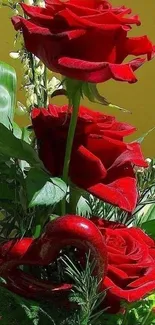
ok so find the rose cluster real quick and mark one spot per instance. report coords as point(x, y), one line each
point(125, 259)
point(87, 40)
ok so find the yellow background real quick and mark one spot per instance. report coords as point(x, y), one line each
point(139, 98)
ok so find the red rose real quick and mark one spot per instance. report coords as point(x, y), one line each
point(101, 163)
point(131, 263)
point(85, 40)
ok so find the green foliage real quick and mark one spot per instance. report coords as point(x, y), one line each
point(22, 186)
point(11, 146)
point(16, 310)
point(7, 93)
point(85, 291)
point(42, 189)
point(138, 313)
point(88, 206)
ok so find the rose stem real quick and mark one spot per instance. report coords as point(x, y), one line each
point(75, 103)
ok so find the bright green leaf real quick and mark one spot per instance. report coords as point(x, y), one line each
point(44, 190)
point(7, 93)
point(149, 228)
point(16, 148)
point(148, 214)
point(83, 208)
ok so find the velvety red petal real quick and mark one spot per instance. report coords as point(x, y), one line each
point(99, 71)
point(51, 157)
point(150, 276)
point(119, 277)
point(138, 46)
point(118, 130)
point(136, 269)
point(98, 21)
point(132, 155)
point(39, 121)
point(16, 20)
point(39, 15)
point(129, 294)
point(122, 193)
point(107, 149)
point(86, 166)
point(141, 236)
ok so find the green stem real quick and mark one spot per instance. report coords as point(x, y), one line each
point(145, 320)
point(125, 318)
point(70, 137)
point(74, 196)
point(37, 231)
point(45, 86)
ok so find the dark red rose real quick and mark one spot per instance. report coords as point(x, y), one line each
point(85, 40)
point(101, 163)
point(131, 263)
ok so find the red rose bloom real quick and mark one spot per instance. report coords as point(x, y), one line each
point(101, 163)
point(131, 263)
point(85, 40)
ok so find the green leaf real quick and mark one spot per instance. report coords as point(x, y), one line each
point(91, 92)
point(7, 93)
point(16, 310)
point(21, 133)
point(148, 214)
point(10, 146)
point(149, 228)
point(83, 208)
point(141, 139)
point(44, 190)
point(17, 131)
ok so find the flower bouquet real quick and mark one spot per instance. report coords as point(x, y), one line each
point(77, 202)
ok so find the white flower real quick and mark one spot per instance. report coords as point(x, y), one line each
point(148, 160)
point(52, 85)
point(41, 3)
point(40, 70)
point(14, 55)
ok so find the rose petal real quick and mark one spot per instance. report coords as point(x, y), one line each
point(132, 155)
point(86, 166)
point(122, 193)
point(129, 295)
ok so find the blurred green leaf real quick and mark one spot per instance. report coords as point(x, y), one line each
point(44, 190)
point(7, 93)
